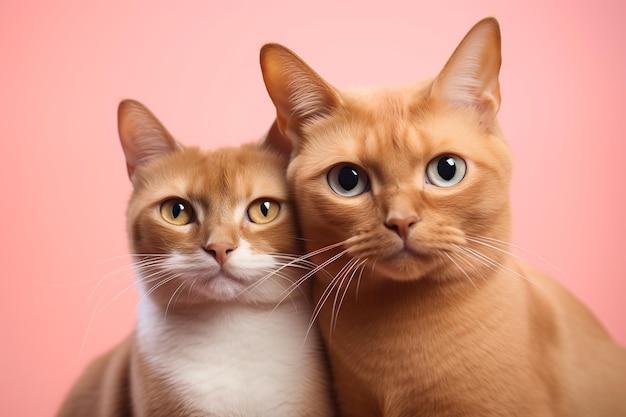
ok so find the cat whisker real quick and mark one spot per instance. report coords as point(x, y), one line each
point(491, 242)
point(372, 268)
point(326, 293)
point(269, 274)
point(160, 282)
point(197, 294)
point(100, 306)
point(343, 274)
point(172, 297)
point(284, 277)
point(107, 277)
point(358, 281)
point(324, 249)
point(358, 263)
point(336, 281)
point(480, 258)
point(297, 284)
point(496, 264)
point(449, 256)
point(309, 274)
point(298, 261)
point(489, 262)
point(193, 282)
point(468, 259)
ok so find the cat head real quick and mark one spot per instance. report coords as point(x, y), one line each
point(205, 226)
point(411, 180)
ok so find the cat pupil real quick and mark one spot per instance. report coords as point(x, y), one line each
point(177, 209)
point(265, 208)
point(446, 168)
point(348, 178)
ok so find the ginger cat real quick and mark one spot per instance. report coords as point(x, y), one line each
point(403, 194)
point(215, 251)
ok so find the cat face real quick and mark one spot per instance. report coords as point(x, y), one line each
point(412, 181)
point(205, 226)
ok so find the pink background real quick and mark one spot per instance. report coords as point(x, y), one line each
point(64, 68)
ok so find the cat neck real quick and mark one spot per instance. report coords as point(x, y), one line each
point(219, 334)
point(221, 350)
point(156, 322)
point(397, 314)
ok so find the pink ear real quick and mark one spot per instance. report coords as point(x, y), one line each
point(470, 77)
point(142, 135)
point(296, 90)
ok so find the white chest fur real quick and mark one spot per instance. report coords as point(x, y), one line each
point(234, 360)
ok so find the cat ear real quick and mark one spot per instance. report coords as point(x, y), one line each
point(142, 135)
point(470, 77)
point(276, 141)
point(298, 92)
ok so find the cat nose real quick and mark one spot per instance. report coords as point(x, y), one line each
point(401, 223)
point(220, 251)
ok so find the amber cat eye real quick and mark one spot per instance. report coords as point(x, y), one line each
point(177, 212)
point(263, 210)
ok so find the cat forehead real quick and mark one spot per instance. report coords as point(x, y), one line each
point(244, 172)
point(400, 131)
point(391, 133)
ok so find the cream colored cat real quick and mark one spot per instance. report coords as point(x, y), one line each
point(405, 194)
point(215, 251)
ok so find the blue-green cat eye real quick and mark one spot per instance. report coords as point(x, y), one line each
point(347, 180)
point(446, 171)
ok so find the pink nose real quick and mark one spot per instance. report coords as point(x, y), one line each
point(220, 251)
point(401, 224)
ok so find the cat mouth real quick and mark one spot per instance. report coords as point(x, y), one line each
point(207, 277)
point(408, 251)
point(218, 286)
point(405, 263)
point(225, 275)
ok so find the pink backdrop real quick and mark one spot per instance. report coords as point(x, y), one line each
point(64, 68)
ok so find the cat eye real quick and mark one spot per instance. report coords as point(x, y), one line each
point(177, 212)
point(347, 180)
point(446, 171)
point(263, 210)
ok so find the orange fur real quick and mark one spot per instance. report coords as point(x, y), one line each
point(220, 330)
point(423, 310)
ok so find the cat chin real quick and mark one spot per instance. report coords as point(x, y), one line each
point(227, 287)
point(196, 288)
point(221, 287)
point(403, 268)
